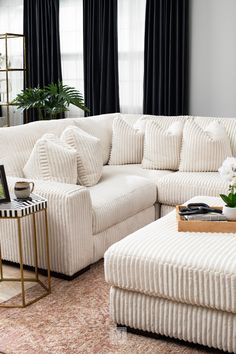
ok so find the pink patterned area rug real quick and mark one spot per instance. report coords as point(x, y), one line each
point(74, 319)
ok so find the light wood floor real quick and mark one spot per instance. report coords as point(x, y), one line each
point(11, 289)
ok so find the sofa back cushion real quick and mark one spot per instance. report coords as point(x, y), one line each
point(204, 150)
point(164, 121)
point(17, 143)
point(100, 127)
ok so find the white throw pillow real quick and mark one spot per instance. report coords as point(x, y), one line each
point(204, 150)
point(89, 155)
point(52, 160)
point(127, 143)
point(162, 146)
point(100, 127)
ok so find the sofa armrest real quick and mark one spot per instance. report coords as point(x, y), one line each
point(69, 224)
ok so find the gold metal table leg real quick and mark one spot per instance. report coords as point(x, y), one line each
point(47, 249)
point(35, 279)
point(21, 261)
point(35, 248)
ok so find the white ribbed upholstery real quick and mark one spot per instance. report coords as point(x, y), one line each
point(228, 123)
point(100, 127)
point(71, 213)
point(52, 160)
point(70, 228)
point(190, 323)
point(127, 143)
point(88, 152)
point(166, 209)
point(164, 121)
point(119, 197)
point(103, 240)
point(162, 147)
point(134, 170)
point(16, 143)
point(193, 268)
point(178, 187)
point(204, 150)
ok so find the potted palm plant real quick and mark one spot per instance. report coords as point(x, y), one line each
point(228, 172)
point(51, 100)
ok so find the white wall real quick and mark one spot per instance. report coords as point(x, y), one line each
point(213, 58)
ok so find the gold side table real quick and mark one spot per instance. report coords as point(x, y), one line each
point(16, 211)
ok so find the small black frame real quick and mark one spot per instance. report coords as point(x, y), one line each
point(4, 191)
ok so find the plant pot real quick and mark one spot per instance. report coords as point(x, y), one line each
point(230, 213)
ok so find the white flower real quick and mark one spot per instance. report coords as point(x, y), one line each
point(228, 170)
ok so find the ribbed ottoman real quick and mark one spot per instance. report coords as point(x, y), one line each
point(176, 284)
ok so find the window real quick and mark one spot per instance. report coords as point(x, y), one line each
point(131, 20)
point(71, 37)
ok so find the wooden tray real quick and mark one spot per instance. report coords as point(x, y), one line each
point(203, 226)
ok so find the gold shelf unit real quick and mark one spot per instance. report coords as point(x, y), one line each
point(5, 37)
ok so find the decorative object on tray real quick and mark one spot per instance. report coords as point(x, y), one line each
point(212, 221)
point(228, 172)
point(4, 192)
point(23, 189)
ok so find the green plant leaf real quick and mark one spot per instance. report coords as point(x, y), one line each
point(53, 99)
point(230, 199)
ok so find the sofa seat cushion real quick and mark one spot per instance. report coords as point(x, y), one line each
point(178, 187)
point(135, 170)
point(118, 197)
point(193, 268)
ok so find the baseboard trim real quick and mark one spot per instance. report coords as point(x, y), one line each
point(44, 272)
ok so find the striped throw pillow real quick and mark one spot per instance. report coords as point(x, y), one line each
point(52, 160)
point(127, 143)
point(204, 150)
point(88, 152)
point(162, 146)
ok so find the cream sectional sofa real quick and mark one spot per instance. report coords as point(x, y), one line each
point(85, 221)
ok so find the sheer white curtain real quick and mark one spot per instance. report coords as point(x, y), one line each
point(131, 20)
point(71, 37)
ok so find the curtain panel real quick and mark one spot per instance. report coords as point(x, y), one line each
point(43, 57)
point(101, 84)
point(166, 57)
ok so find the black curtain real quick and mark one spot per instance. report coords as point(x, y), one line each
point(166, 57)
point(43, 57)
point(101, 83)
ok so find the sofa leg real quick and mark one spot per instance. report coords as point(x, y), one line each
point(180, 342)
point(139, 332)
point(53, 274)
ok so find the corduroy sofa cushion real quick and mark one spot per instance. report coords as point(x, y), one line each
point(178, 187)
point(117, 197)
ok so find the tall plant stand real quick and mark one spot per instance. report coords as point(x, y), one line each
point(6, 67)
